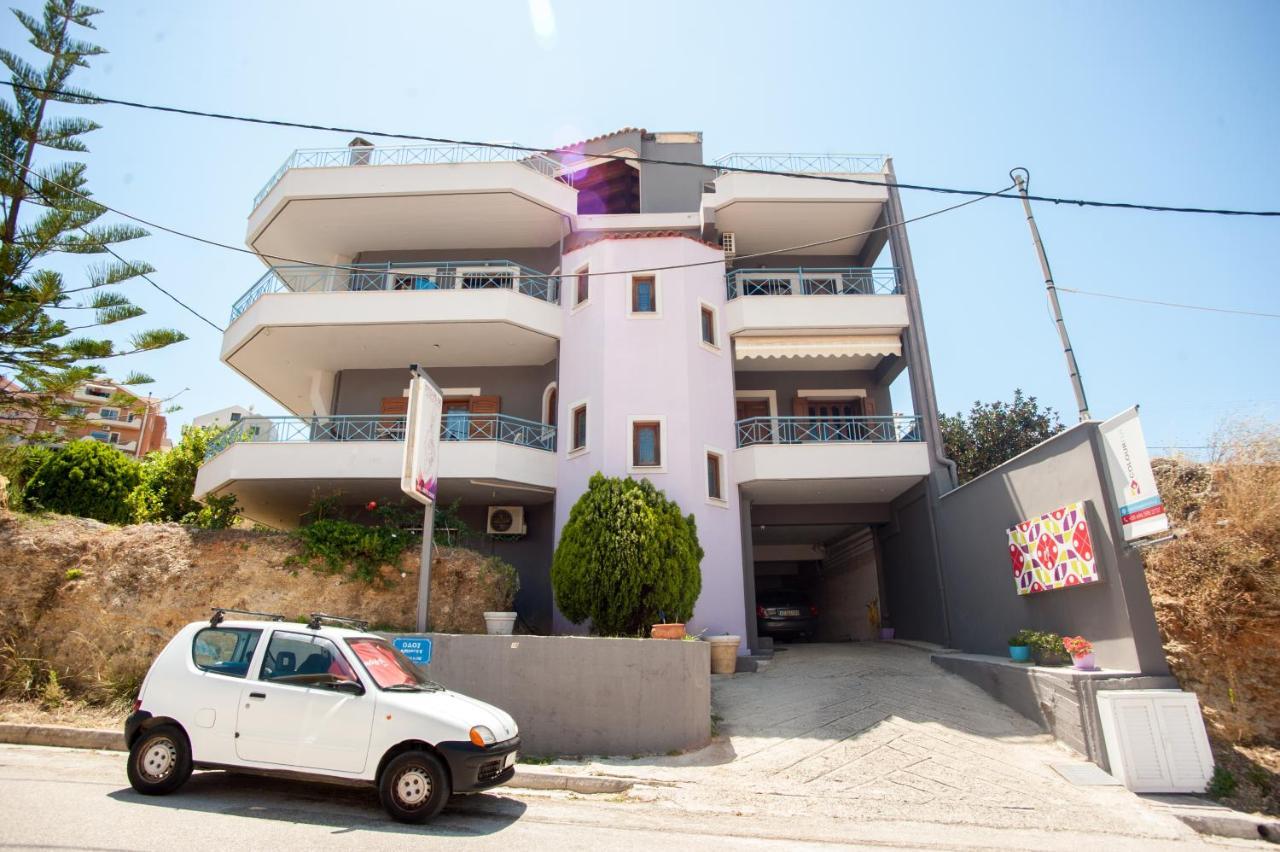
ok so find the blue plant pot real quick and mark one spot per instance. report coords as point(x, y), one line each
point(1020, 653)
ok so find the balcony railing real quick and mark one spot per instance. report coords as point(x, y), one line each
point(813, 281)
point(424, 276)
point(406, 155)
point(817, 164)
point(828, 430)
point(456, 426)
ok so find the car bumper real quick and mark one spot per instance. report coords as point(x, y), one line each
point(474, 767)
point(785, 626)
point(134, 724)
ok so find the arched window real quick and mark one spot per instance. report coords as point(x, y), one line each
point(549, 405)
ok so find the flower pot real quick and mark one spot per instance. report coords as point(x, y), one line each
point(1083, 662)
point(886, 632)
point(499, 623)
point(724, 654)
point(667, 631)
point(1020, 653)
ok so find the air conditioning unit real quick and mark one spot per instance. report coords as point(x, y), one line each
point(506, 520)
point(729, 244)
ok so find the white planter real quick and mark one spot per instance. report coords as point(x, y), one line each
point(724, 653)
point(499, 623)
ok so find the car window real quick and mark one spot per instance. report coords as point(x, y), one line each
point(305, 660)
point(388, 667)
point(225, 650)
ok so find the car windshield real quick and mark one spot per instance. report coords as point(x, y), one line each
point(388, 667)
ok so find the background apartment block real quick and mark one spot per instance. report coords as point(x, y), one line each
point(730, 336)
point(104, 411)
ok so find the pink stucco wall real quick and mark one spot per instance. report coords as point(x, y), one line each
point(625, 366)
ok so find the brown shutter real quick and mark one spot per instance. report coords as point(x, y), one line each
point(484, 421)
point(395, 405)
point(869, 406)
point(800, 407)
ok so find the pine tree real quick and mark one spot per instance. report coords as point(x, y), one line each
point(47, 211)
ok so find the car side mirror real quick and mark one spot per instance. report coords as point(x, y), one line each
point(350, 687)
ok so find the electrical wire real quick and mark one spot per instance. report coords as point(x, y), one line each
point(1079, 202)
point(1168, 304)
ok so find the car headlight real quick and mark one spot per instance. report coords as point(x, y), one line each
point(482, 736)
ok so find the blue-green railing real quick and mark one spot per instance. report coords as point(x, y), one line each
point(456, 426)
point(828, 430)
point(423, 276)
point(405, 155)
point(813, 281)
point(819, 164)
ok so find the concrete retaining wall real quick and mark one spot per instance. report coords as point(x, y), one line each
point(573, 695)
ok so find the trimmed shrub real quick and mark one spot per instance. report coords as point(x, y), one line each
point(627, 558)
point(85, 478)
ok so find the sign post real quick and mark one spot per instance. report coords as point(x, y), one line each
point(419, 474)
point(1133, 485)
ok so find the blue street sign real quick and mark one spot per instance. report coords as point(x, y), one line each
point(417, 649)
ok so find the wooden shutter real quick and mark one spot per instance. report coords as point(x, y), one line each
point(868, 406)
point(395, 405)
point(484, 420)
point(800, 407)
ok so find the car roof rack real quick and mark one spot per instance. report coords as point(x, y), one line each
point(318, 617)
point(220, 614)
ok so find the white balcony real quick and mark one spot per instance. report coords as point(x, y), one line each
point(815, 301)
point(334, 203)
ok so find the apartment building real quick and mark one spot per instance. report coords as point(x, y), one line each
point(104, 411)
point(732, 336)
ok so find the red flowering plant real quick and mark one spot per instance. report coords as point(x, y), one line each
point(1077, 646)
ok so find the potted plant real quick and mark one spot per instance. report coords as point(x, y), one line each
point(507, 582)
point(1047, 648)
point(1081, 651)
point(1020, 646)
point(671, 630)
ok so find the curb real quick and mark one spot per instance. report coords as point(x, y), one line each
point(1210, 818)
point(63, 736)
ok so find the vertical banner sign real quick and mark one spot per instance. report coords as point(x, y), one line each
point(419, 474)
point(1133, 485)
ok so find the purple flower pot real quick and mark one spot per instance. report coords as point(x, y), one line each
point(886, 632)
point(1084, 662)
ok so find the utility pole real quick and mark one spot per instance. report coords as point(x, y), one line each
point(1020, 178)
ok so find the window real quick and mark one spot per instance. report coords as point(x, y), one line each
point(646, 444)
point(305, 660)
point(579, 428)
point(549, 406)
point(113, 437)
point(100, 436)
point(235, 417)
point(582, 286)
point(644, 294)
point(708, 325)
point(715, 485)
point(75, 411)
point(109, 414)
point(387, 666)
point(224, 650)
point(100, 393)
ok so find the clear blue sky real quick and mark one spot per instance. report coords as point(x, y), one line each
point(1164, 102)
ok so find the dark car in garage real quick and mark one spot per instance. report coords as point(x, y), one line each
point(785, 613)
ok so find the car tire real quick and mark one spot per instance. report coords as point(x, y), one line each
point(414, 787)
point(160, 760)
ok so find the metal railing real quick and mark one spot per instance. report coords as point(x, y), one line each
point(818, 164)
point(423, 276)
point(406, 155)
point(813, 281)
point(456, 426)
point(828, 430)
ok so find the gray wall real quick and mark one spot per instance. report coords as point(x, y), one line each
point(787, 383)
point(521, 388)
point(913, 601)
point(531, 556)
point(542, 259)
point(985, 609)
point(672, 189)
point(573, 695)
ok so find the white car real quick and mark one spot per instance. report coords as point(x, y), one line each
point(319, 701)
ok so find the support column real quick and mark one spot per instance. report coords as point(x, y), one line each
point(748, 574)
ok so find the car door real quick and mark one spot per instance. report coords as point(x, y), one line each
point(291, 716)
point(222, 655)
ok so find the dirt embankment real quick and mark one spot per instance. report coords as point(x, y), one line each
point(96, 603)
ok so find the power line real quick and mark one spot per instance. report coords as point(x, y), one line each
point(1079, 202)
point(1168, 304)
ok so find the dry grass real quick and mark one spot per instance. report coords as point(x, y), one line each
point(73, 714)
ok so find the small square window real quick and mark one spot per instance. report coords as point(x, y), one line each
point(646, 444)
point(715, 489)
point(582, 290)
point(708, 326)
point(644, 294)
point(579, 428)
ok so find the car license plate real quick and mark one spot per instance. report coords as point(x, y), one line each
point(510, 761)
point(788, 612)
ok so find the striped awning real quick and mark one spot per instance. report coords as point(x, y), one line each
point(817, 346)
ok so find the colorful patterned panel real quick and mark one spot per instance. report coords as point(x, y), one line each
point(1053, 551)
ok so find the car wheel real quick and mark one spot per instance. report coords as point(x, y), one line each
point(414, 787)
point(160, 760)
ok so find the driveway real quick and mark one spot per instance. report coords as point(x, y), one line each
point(875, 735)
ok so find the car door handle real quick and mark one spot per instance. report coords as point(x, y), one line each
point(262, 695)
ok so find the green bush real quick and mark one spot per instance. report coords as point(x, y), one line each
point(167, 479)
point(18, 464)
point(1046, 647)
point(1022, 639)
point(85, 478)
point(218, 513)
point(351, 549)
point(505, 579)
point(627, 558)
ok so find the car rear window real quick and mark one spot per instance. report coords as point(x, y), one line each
point(225, 650)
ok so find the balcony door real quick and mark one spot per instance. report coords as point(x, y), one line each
point(471, 418)
point(823, 419)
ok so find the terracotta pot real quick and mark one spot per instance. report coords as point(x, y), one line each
point(724, 654)
point(667, 631)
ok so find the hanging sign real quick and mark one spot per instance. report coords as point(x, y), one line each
point(419, 475)
point(1133, 485)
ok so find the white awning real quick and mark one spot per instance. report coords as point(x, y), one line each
point(824, 346)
